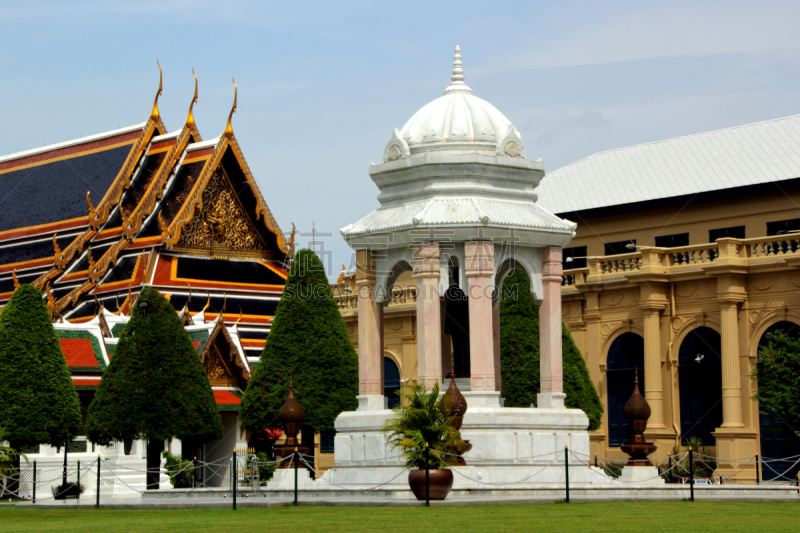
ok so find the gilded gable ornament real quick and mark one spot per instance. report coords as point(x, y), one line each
point(221, 222)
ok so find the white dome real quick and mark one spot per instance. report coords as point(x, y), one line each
point(456, 121)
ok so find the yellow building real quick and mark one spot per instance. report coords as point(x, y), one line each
point(685, 256)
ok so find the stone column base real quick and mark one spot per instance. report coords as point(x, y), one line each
point(371, 402)
point(550, 400)
point(739, 444)
point(641, 476)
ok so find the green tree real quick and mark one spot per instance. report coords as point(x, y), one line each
point(519, 354)
point(155, 387)
point(777, 371)
point(38, 401)
point(309, 341)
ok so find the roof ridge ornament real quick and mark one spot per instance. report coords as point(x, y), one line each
point(155, 114)
point(190, 117)
point(457, 79)
point(228, 128)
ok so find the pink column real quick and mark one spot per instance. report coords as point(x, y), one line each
point(429, 322)
point(479, 268)
point(370, 342)
point(550, 364)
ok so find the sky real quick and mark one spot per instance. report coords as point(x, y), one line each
point(323, 84)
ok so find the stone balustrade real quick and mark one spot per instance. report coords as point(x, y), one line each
point(348, 301)
point(747, 252)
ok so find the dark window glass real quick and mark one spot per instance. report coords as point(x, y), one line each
point(620, 247)
point(578, 255)
point(782, 227)
point(671, 241)
point(737, 232)
point(326, 440)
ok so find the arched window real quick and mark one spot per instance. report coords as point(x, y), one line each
point(777, 438)
point(625, 356)
point(391, 382)
point(700, 382)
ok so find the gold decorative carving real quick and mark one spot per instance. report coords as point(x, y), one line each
point(16, 281)
point(221, 221)
point(214, 367)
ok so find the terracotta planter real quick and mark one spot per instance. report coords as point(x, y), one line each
point(441, 481)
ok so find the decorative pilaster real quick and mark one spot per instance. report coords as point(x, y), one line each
point(550, 364)
point(652, 365)
point(731, 378)
point(429, 322)
point(370, 341)
point(479, 268)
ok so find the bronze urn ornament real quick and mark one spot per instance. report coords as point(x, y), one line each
point(637, 411)
point(291, 415)
point(458, 407)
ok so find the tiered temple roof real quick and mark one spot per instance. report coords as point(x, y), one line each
point(92, 221)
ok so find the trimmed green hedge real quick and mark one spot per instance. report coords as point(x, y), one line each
point(155, 387)
point(309, 341)
point(519, 354)
point(38, 402)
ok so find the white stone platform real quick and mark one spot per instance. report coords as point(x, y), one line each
point(511, 447)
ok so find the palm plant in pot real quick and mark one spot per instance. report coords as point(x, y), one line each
point(423, 430)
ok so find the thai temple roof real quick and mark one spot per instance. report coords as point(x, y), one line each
point(91, 221)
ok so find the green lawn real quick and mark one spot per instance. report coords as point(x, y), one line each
point(616, 517)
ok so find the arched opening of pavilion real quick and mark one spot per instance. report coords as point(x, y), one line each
point(778, 439)
point(391, 382)
point(625, 357)
point(700, 383)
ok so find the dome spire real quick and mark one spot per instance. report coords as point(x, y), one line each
point(457, 83)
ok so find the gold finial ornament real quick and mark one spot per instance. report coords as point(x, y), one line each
point(57, 250)
point(161, 224)
point(207, 304)
point(92, 210)
point(341, 275)
point(240, 316)
point(90, 259)
point(291, 241)
point(51, 302)
point(16, 281)
point(228, 128)
point(190, 118)
point(155, 114)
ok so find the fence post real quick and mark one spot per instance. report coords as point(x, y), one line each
point(34, 481)
point(296, 460)
point(691, 473)
point(758, 470)
point(595, 460)
point(98, 482)
point(566, 468)
point(427, 476)
point(235, 477)
point(79, 481)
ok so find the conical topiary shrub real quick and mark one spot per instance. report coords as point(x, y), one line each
point(519, 354)
point(308, 340)
point(155, 387)
point(38, 402)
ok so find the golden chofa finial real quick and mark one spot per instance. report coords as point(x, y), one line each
point(228, 128)
point(155, 114)
point(56, 249)
point(190, 118)
point(92, 210)
point(16, 281)
point(51, 302)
